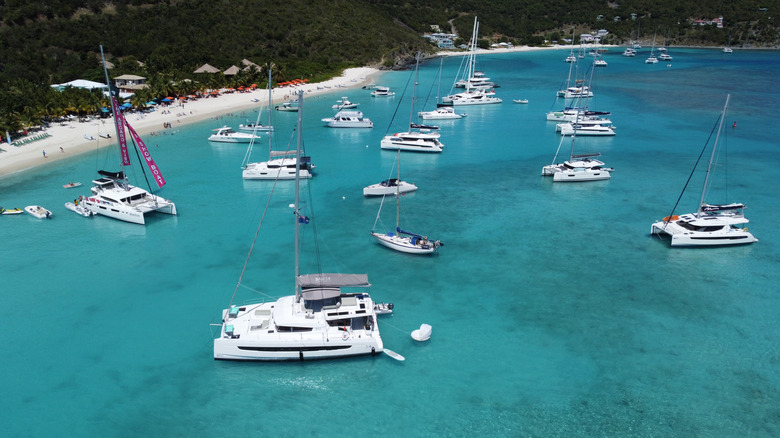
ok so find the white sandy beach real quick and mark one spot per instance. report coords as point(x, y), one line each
point(68, 139)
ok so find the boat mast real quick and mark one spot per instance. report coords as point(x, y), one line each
point(270, 97)
point(297, 196)
point(120, 129)
point(398, 194)
point(414, 87)
point(712, 157)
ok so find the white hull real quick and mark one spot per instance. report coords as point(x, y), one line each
point(470, 98)
point(689, 230)
point(404, 243)
point(581, 175)
point(382, 189)
point(348, 119)
point(281, 168)
point(79, 209)
point(228, 135)
point(441, 114)
point(257, 332)
point(415, 142)
point(590, 130)
point(128, 204)
point(38, 211)
point(252, 128)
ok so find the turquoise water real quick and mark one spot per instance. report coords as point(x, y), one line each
point(554, 312)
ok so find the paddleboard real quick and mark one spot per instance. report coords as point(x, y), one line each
point(71, 185)
point(394, 355)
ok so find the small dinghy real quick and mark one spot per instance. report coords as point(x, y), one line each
point(79, 209)
point(520, 100)
point(423, 333)
point(89, 137)
point(383, 308)
point(71, 185)
point(38, 211)
point(11, 210)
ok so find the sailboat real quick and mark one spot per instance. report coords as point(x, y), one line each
point(400, 240)
point(711, 225)
point(479, 90)
point(419, 138)
point(579, 167)
point(321, 320)
point(440, 112)
point(112, 195)
point(652, 59)
point(281, 165)
point(391, 185)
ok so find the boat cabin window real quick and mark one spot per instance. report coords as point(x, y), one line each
point(700, 229)
point(319, 305)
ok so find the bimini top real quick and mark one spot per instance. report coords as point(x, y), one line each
point(333, 280)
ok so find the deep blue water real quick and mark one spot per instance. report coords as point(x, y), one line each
point(554, 312)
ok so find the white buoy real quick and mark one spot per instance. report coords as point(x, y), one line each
point(343, 197)
point(423, 333)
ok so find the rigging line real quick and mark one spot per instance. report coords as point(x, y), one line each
point(141, 165)
point(254, 240)
point(693, 170)
point(258, 292)
point(399, 104)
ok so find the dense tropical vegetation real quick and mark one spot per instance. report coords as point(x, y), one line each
point(56, 41)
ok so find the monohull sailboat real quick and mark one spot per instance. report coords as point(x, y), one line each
point(321, 320)
point(711, 225)
point(112, 195)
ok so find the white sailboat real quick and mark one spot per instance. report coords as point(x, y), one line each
point(652, 59)
point(390, 185)
point(112, 195)
point(440, 112)
point(280, 164)
point(400, 240)
point(711, 225)
point(419, 138)
point(477, 91)
point(578, 168)
point(320, 321)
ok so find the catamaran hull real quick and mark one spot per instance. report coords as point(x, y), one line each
point(681, 237)
point(296, 346)
point(580, 175)
point(124, 213)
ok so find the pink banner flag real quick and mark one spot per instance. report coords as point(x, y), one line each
point(158, 178)
point(119, 121)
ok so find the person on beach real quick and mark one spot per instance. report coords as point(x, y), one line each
point(62, 150)
point(44, 154)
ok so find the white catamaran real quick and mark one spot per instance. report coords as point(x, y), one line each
point(319, 321)
point(112, 195)
point(711, 225)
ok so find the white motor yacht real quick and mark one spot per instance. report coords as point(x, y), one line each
point(651, 60)
point(380, 91)
point(226, 134)
point(441, 113)
point(344, 103)
point(290, 107)
point(348, 119)
point(389, 187)
point(255, 127)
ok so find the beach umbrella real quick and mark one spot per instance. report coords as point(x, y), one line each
point(166, 100)
point(151, 103)
point(127, 105)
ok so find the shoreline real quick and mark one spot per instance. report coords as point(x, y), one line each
point(69, 139)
